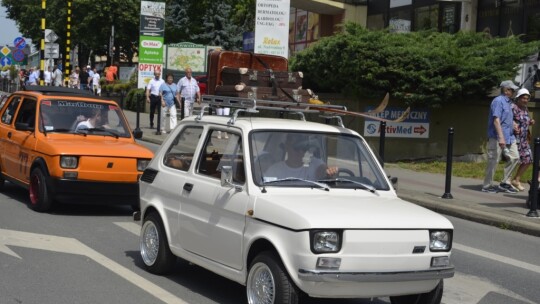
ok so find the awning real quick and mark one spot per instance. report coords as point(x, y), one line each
point(327, 7)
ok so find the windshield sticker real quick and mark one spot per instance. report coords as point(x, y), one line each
point(79, 105)
point(113, 108)
point(47, 103)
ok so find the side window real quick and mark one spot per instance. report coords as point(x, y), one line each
point(7, 117)
point(180, 153)
point(27, 113)
point(219, 152)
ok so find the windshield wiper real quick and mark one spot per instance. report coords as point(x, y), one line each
point(109, 132)
point(346, 180)
point(318, 184)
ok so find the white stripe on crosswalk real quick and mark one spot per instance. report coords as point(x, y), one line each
point(130, 226)
point(498, 258)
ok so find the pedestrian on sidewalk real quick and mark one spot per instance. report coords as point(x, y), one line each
point(501, 139)
point(169, 94)
point(523, 135)
point(189, 90)
point(47, 76)
point(152, 94)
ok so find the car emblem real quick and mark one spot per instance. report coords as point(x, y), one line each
point(419, 249)
point(110, 165)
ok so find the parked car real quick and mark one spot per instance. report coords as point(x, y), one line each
point(66, 145)
point(288, 208)
point(202, 81)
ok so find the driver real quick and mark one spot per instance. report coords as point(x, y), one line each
point(298, 163)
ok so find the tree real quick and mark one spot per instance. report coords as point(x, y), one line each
point(421, 68)
point(91, 23)
point(217, 28)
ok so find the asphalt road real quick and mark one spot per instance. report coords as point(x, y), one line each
point(89, 254)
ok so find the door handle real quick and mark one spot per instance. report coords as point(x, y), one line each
point(9, 135)
point(188, 187)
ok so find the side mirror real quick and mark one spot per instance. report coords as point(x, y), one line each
point(22, 126)
point(394, 181)
point(137, 133)
point(227, 178)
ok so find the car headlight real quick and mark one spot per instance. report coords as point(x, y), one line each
point(142, 164)
point(325, 241)
point(440, 240)
point(69, 162)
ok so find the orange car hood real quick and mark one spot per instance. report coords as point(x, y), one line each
point(93, 146)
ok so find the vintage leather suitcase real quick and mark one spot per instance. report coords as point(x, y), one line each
point(217, 60)
point(262, 93)
point(256, 78)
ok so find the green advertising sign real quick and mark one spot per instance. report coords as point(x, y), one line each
point(151, 49)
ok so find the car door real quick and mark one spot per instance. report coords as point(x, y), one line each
point(212, 217)
point(20, 143)
point(6, 132)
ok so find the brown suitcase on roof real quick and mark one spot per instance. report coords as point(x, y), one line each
point(255, 78)
point(219, 59)
point(264, 93)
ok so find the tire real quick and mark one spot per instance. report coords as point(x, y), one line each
point(40, 199)
point(432, 297)
point(154, 248)
point(268, 282)
point(2, 182)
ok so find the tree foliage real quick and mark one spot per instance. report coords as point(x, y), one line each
point(217, 29)
point(421, 68)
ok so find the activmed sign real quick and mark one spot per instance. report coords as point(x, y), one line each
point(416, 125)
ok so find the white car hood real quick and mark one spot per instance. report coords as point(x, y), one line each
point(345, 209)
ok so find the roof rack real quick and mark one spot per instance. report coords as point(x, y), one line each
point(253, 105)
point(50, 90)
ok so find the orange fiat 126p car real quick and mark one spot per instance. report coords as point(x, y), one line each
point(66, 145)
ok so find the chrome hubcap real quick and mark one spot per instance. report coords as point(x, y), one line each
point(261, 287)
point(149, 243)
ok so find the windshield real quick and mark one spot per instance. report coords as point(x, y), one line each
point(82, 117)
point(287, 159)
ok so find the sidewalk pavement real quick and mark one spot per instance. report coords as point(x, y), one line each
point(506, 211)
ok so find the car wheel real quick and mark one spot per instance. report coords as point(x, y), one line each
point(155, 251)
point(2, 182)
point(432, 297)
point(40, 199)
point(268, 282)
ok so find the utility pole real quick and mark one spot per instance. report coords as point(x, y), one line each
point(68, 40)
point(42, 44)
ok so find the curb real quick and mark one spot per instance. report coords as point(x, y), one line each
point(488, 217)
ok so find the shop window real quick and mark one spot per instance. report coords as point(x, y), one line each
point(426, 17)
point(400, 21)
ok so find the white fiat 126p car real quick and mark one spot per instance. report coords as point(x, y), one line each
point(288, 208)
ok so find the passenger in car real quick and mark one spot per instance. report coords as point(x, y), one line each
point(296, 164)
point(91, 122)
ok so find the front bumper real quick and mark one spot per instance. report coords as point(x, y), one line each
point(92, 192)
point(333, 276)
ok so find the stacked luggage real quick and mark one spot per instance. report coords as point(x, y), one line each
point(258, 76)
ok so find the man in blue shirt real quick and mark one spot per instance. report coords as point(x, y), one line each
point(501, 139)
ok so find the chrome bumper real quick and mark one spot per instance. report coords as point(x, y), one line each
point(333, 276)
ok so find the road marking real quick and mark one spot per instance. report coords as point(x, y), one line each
point(73, 246)
point(130, 226)
point(469, 289)
point(498, 258)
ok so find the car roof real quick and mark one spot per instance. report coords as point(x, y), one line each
point(60, 92)
point(265, 123)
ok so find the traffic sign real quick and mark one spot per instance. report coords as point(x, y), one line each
point(19, 43)
point(50, 36)
point(18, 55)
point(5, 51)
point(52, 50)
point(5, 61)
